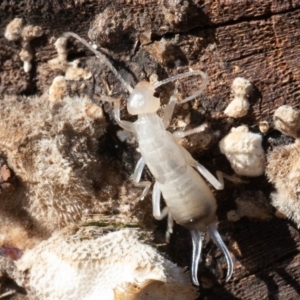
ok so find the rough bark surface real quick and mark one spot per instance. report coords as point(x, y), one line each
point(258, 40)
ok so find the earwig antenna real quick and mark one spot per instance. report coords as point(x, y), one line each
point(187, 74)
point(102, 57)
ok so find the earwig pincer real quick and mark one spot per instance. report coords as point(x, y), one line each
point(189, 200)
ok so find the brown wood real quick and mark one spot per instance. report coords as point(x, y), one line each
point(258, 40)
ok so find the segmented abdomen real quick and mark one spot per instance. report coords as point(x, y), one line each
point(189, 199)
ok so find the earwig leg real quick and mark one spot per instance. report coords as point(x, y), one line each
point(168, 113)
point(161, 214)
point(232, 178)
point(124, 124)
point(157, 213)
point(170, 227)
point(138, 170)
point(182, 134)
point(218, 184)
point(212, 229)
point(137, 177)
point(197, 247)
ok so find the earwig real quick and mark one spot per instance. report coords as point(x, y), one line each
point(189, 200)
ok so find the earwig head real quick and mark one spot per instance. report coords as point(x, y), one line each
point(141, 99)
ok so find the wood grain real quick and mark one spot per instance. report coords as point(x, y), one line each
point(258, 40)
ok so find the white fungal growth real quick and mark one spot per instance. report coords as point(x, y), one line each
point(26, 57)
point(15, 31)
point(264, 127)
point(239, 106)
point(60, 62)
point(74, 72)
point(61, 47)
point(283, 167)
point(30, 32)
point(54, 153)
point(233, 216)
point(287, 120)
point(71, 69)
point(58, 89)
point(244, 151)
point(15, 233)
point(82, 264)
point(283, 170)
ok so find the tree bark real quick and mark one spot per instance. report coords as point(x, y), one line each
point(258, 40)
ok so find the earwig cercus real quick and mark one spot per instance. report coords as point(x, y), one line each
point(189, 200)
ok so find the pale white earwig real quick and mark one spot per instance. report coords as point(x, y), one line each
point(189, 200)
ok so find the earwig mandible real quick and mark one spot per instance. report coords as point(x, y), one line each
point(189, 200)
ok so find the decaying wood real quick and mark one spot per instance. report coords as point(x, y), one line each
point(258, 40)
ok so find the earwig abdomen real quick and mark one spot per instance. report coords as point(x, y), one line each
point(189, 200)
